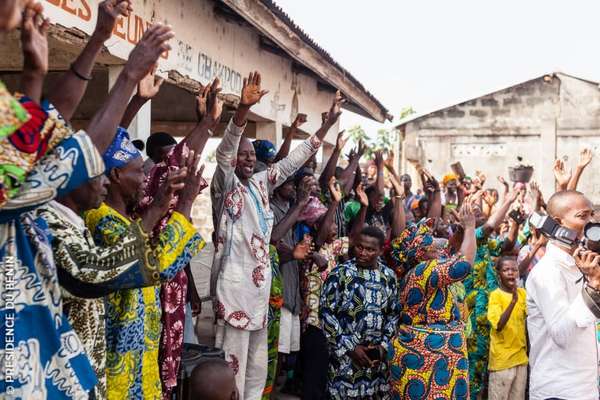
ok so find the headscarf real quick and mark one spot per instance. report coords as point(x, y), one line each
point(409, 248)
point(120, 152)
point(449, 177)
point(313, 211)
point(265, 150)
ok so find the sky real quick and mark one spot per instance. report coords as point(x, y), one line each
point(427, 54)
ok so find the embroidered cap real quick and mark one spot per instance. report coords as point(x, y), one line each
point(120, 152)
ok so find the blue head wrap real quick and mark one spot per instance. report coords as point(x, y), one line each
point(120, 152)
point(265, 150)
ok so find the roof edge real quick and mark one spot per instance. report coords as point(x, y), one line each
point(301, 48)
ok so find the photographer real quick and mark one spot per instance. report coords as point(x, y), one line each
point(562, 329)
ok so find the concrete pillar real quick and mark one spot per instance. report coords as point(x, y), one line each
point(547, 151)
point(141, 125)
point(270, 130)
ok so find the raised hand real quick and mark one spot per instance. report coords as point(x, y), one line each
point(34, 37)
point(379, 159)
point(562, 175)
point(251, 90)
point(362, 196)
point(467, 217)
point(362, 148)
point(389, 160)
point(585, 157)
point(335, 110)
point(503, 182)
point(149, 85)
point(108, 12)
point(299, 120)
point(334, 189)
point(341, 141)
point(145, 54)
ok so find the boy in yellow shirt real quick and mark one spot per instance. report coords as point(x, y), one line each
point(507, 314)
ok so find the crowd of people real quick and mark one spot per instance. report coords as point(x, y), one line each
point(344, 282)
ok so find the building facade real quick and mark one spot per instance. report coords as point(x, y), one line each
point(549, 117)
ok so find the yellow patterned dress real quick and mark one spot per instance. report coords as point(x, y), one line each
point(133, 316)
point(428, 359)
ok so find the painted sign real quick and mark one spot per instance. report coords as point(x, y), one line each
point(184, 58)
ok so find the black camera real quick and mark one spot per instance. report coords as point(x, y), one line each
point(551, 229)
point(548, 227)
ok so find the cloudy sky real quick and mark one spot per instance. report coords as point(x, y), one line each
point(428, 54)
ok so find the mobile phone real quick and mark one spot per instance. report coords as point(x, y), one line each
point(517, 216)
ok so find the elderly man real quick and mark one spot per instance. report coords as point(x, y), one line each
point(241, 275)
point(562, 330)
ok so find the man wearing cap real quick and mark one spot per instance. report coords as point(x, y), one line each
point(133, 315)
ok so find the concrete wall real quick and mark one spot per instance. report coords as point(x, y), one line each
point(539, 120)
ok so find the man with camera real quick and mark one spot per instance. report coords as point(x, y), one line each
point(562, 328)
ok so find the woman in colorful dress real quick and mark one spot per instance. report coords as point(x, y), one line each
point(428, 357)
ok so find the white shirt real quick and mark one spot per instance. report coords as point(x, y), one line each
point(241, 272)
point(562, 331)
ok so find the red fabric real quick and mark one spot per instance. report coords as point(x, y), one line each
point(172, 293)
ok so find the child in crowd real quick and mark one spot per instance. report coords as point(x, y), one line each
point(213, 379)
point(507, 313)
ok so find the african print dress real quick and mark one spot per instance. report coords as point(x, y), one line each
point(358, 306)
point(429, 354)
point(133, 316)
point(478, 285)
point(88, 272)
point(46, 359)
point(275, 304)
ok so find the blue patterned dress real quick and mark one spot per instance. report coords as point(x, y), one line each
point(41, 355)
point(429, 357)
point(358, 306)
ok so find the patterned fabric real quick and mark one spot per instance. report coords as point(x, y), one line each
point(133, 316)
point(241, 273)
point(429, 354)
point(173, 294)
point(48, 359)
point(87, 270)
point(408, 248)
point(358, 306)
point(313, 279)
point(275, 304)
point(120, 152)
point(478, 285)
point(22, 149)
point(313, 210)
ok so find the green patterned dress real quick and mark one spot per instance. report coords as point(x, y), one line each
point(478, 285)
point(275, 304)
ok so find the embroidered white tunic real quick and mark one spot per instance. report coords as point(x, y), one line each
point(241, 271)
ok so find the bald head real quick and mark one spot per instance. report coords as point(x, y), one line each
point(571, 209)
point(561, 202)
point(213, 379)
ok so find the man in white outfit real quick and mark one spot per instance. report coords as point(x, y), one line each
point(243, 220)
point(562, 329)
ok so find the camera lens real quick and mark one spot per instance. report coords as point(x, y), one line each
point(592, 236)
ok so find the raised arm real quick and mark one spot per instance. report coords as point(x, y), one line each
point(380, 181)
point(562, 175)
point(325, 227)
point(399, 221)
point(513, 231)
point(359, 223)
point(284, 150)
point(585, 157)
point(329, 170)
point(347, 178)
point(432, 187)
point(34, 40)
point(498, 216)
point(282, 169)
point(147, 89)
point(70, 87)
point(142, 58)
